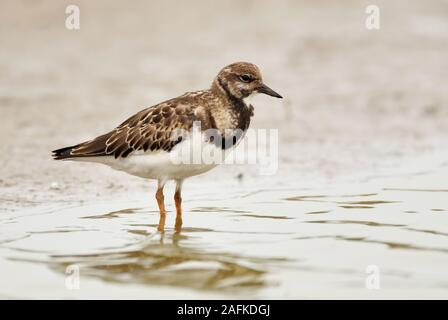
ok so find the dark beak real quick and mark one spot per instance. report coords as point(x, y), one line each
point(266, 90)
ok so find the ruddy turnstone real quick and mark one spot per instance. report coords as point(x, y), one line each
point(144, 144)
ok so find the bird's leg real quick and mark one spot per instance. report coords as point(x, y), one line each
point(178, 203)
point(159, 198)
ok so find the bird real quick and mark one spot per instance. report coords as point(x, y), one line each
point(147, 143)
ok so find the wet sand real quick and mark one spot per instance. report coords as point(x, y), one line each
point(362, 164)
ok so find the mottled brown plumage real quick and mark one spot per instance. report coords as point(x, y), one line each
point(148, 130)
point(154, 131)
point(221, 107)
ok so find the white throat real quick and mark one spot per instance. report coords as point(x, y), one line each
point(248, 100)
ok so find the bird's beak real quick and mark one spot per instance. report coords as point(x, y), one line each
point(266, 90)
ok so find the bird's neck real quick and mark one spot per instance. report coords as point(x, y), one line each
point(231, 112)
point(221, 90)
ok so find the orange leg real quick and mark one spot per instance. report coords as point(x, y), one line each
point(178, 203)
point(160, 198)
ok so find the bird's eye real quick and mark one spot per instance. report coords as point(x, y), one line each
point(246, 78)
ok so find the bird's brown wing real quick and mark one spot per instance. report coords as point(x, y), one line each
point(149, 129)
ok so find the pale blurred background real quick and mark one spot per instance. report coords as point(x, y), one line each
point(358, 103)
point(354, 98)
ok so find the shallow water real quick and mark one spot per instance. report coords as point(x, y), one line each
point(268, 243)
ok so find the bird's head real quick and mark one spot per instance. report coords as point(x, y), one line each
point(241, 80)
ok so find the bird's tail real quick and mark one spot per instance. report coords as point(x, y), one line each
point(92, 148)
point(64, 153)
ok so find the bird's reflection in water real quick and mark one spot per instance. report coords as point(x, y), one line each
point(177, 224)
point(171, 258)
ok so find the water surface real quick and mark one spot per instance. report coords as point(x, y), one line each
point(267, 243)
